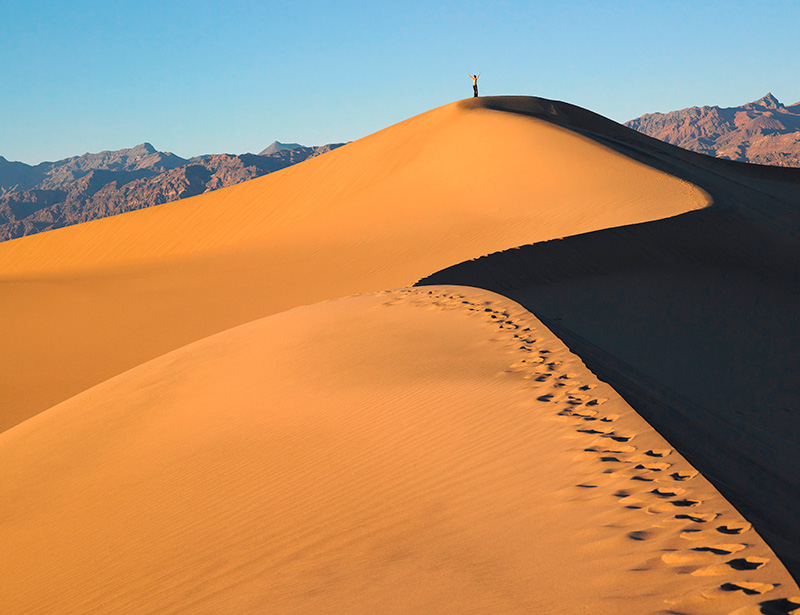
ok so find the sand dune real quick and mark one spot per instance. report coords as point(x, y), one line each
point(403, 452)
point(87, 302)
point(181, 436)
point(715, 294)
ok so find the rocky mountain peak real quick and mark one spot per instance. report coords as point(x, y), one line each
point(762, 132)
point(769, 101)
point(143, 149)
point(277, 146)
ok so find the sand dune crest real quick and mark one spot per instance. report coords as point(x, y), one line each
point(181, 437)
point(419, 450)
point(87, 302)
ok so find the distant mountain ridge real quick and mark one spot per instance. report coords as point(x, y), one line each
point(762, 132)
point(17, 176)
point(277, 146)
point(49, 195)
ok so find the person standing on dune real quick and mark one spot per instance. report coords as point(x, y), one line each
point(474, 84)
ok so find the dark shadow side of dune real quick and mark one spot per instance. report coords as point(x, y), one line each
point(692, 319)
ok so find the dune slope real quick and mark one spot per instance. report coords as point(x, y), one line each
point(162, 456)
point(412, 451)
point(713, 292)
point(85, 303)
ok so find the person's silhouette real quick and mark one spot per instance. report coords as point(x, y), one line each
point(474, 84)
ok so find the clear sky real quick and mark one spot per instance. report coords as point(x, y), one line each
point(199, 76)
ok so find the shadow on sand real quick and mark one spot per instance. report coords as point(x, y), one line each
point(692, 319)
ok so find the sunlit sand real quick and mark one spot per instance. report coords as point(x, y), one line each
point(221, 405)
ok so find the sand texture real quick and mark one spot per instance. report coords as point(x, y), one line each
point(87, 302)
point(715, 294)
point(217, 406)
point(413, 451)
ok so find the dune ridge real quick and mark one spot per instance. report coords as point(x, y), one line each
point(393, 165)
point(183, 437)
point(714, 292)
point(90, 301)
point(412, 450)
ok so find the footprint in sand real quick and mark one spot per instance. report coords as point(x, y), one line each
point(686, 503)
point(751, 588)
point(604, 457)
point(739, 563)
point(681, 558)
point(664, 492)
point(669, 505)
point(653, 467)
point(722, 549)
point(659, 509)
point(596, 430)
point(696, 517)
point(735, 527)
point(640, 535)
point(621, 436)
point(781, 606)
point(604, 443)
point(613, 459)
point(621, 449)
point(693, 534)
point(579, 413)
point(597, 426)
point(524, 364)
point(700, 554)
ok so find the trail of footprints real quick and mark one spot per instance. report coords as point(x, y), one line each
point(659, 484)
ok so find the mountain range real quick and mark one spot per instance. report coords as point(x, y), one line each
point(49, 195)
point(762, 132)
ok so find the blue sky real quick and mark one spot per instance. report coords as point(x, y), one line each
point(207, 77)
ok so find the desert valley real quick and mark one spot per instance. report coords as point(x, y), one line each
point(506, 356)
